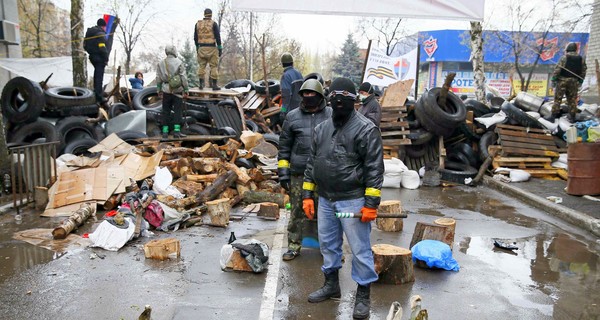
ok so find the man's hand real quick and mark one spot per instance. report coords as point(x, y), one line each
point(160, 94)
point(285, 183)
point(368, 214)
point(308, 205)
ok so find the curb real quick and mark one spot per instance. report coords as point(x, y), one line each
point(572, 216)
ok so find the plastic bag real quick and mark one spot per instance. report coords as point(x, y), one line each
point(410, 179)
point(111, 238)
point(435, 254)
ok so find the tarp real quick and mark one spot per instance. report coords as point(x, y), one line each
point(38, 69)
point(471, 10)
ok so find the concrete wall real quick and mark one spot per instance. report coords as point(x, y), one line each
point(10, 12)
point(593, 53)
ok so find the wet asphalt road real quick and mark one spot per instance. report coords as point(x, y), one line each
point(554, 274)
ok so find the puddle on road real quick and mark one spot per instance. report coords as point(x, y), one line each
point(557, 265)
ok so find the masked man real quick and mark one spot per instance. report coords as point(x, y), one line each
point(369, 106)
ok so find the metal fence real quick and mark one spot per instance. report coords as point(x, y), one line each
point(32, 166)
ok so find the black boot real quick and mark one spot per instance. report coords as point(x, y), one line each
point(331, 289)
point(362, 304)
point(165, 132)
point(177, 132)
point(214, 86)
point(572, 116)
point(201, 83)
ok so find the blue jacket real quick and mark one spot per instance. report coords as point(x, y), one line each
point(136, 83)
point(290, 74)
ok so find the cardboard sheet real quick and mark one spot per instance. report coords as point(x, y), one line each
point(43, 238)
point(139, 167)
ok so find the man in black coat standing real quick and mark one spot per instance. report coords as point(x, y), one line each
point(95, 44)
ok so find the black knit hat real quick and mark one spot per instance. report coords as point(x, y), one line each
point(366, 87)
point(101, 23)
point(207, 12)
point(342, 84)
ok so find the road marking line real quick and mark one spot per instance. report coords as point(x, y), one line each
point(267, 307)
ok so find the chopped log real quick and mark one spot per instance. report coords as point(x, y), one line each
point(180, 152)
point(230, 147)
point(162, 249)
point(174, 166)
point(241, 188)
point(270, 186)
point(201, 177)
point(184, 167)
point(263, 196)
point(253, 186)
point(268, 210)
point(76, 219)
point(223, 182)
point(218, 211)
point(237, 263)
point(243, 177)
point(450, 225)
point(393, 264)
point(209, 150)
point(113, 201)
point(188, 187)
point(389, 224)
point(182, 204)
point(429, 231)
point(228, 193)
point(194, 221)
point(484, 167)
point(256, 175)
point(235, 200)
point(206, 165)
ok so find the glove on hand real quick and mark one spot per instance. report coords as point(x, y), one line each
point(285, 183)
point(368, 214)
point(308, 205)
point(220, 52)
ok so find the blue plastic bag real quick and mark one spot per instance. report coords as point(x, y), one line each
point(435, 254)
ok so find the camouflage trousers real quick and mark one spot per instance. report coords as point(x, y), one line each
point(568, 87)
point(297, 216)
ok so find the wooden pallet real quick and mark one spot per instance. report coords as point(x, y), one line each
point(522, 162)
point(394, 127)
point(252, 101)
point(520, 141)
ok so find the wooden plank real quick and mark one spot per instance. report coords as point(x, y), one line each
point(524, 134)
point(398, 124)
point(396, 142)
point(390, 108)
point(522, 159)
point(250, 101)
point(249, 96)
point(390, 118)
point(528, 146)
point(210, 92)
point(518, 128)
point(396, 93)
point(544, 153)
point(394, 133)
point(257, 103)
point(527, 140)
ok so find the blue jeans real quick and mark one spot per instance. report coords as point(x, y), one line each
point(357, 233)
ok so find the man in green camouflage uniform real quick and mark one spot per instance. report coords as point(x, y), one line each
point(567, 78)
point(294, 151)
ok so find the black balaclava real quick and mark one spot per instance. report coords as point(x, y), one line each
point(312, 103)
point(342, 97)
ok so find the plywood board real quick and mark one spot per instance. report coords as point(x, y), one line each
point(395, 95)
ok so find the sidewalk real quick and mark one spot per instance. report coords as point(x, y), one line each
point(577, 210)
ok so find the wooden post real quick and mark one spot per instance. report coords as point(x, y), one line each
point(218, 211)
point(393, 264)
point(76, 219)
point(450, 225)
point(389, 224)
point(429, 231)
point(445, 88)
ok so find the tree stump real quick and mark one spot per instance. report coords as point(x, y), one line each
point(390, 224)
point(429, 231)
point(268, 210)
point(218, 211)
point(450, 225)
point(393, 264)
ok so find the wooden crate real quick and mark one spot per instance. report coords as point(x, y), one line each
point(162, 249)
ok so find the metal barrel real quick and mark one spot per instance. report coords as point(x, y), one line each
point(584, 169)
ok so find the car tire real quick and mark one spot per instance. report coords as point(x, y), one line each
point(272, 139)
point(74, 128)
point(118, 109)
point(520, 117)
point(147, 99)
point(80, 147)
point(131, 136)
point(457, 172)
point(487, 139)
point(69, 96)
point(22, 100)
point(274, 87)
point(33, 132)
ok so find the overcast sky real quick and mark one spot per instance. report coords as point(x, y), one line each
point(176, 18)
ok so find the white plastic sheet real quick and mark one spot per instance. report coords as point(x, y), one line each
point(110, 237)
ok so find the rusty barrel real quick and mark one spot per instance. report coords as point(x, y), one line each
point(584, 169)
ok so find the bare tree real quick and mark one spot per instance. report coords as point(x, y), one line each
point(134, 18)
point(78, 55)
point(386, 31)
point(44, 29)
point(477, 60)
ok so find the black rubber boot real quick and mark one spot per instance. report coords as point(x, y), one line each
point(201, 84)
point(331, 289)
point(213, 84)
point(362, 304)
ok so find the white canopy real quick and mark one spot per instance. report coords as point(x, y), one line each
point(471, 10)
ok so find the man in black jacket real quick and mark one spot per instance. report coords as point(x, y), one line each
point(95, 45)
point(294, 150)
point(369, 106)
point(346, 165)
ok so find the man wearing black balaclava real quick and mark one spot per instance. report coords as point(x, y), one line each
point(346, 166)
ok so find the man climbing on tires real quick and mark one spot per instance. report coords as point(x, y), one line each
point(346, 165)
point(207, 38)
point(294, 150)
point(567, 78)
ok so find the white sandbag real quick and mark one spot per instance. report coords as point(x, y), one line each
point(422, 171)
point(410, 179)
point(392, 180)
point(110, 237)
point(533, 114)
point(560, 165)
point(564, 123)
point(548, 125)
point(392, 176)
point(490, 121)
point(517, 175)
point(162, 183)
point(394, 165)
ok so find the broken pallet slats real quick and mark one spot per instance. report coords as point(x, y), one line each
point(516, 140)
point(522, 162)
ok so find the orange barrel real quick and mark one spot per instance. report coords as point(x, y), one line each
point(584, 169)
